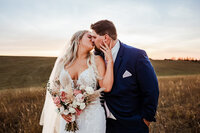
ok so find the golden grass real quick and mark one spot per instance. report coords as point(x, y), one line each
point(20, 110)
point(179, 105)
point(178, 110)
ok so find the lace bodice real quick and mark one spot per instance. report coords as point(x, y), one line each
point(86, 78)
point(92, 119)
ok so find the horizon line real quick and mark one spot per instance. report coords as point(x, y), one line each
point(57, 56)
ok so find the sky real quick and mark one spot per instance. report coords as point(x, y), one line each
point(163, 28)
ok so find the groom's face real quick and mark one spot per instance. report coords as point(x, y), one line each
point(97, 40)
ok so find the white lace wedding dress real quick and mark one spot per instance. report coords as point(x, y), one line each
point(92, 119)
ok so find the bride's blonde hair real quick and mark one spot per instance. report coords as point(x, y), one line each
point(71, 53)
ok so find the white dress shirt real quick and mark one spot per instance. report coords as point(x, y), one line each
point(114, 51)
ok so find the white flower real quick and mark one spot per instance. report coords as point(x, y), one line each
point(82, 106)
point(82, 87)
point(89, 90)
point(79, 98)
point(73, 118)
point(78, 103)
point(74, 104)
point(66, 112)
point(72, 110)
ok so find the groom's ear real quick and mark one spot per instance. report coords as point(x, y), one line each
point(106, 38)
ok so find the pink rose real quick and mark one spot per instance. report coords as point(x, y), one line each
point(76, 92)
point(56, 100)
point(63, 96)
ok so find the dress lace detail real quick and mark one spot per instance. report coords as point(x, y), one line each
point(92, 119)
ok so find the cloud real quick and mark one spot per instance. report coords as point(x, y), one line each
point(156, 26)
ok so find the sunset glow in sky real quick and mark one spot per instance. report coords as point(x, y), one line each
point(165, 29)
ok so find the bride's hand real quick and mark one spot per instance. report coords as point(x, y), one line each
point(68, 118)
point(107, 52)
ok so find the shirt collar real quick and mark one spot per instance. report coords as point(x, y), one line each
point(115, 49)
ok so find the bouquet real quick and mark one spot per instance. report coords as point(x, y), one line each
point(72, 101)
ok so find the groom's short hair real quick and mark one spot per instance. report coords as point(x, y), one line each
point(103, 27)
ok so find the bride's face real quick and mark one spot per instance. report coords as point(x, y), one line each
point(86, 42)
point(97, 40)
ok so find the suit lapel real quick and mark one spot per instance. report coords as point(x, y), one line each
point(118, 59)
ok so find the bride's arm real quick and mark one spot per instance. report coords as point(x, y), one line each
point(105, 70)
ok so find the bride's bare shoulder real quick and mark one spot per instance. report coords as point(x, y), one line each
point(99, 60)
point(100, 64)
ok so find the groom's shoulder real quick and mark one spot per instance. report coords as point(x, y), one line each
point(132, 50)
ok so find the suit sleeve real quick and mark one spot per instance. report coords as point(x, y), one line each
point(148, 85)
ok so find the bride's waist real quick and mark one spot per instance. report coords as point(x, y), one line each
point(97, 101)
point(94, 104)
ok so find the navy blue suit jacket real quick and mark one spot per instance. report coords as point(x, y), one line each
point(135, 97)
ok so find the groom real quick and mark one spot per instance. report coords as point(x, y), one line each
point(131, 104)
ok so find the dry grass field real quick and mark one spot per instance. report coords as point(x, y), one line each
point(20, 110)
point(22, 94)
point(179, 105)
point(178, 110)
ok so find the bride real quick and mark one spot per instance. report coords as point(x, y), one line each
point(79, 66)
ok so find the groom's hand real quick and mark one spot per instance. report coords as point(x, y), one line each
point(107, 52)
point(146, 122)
